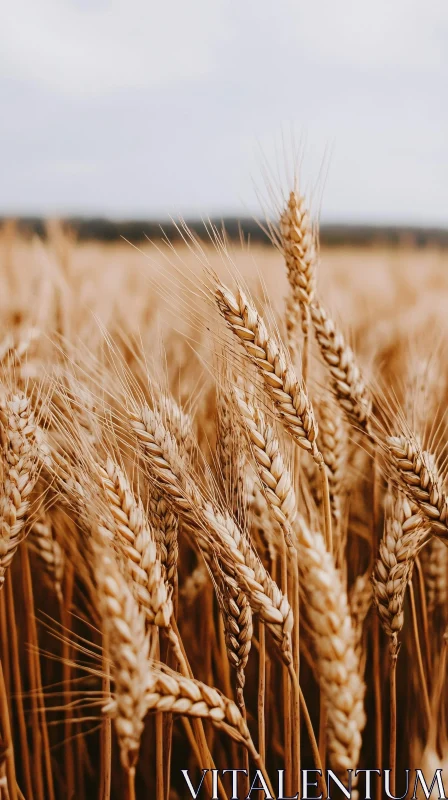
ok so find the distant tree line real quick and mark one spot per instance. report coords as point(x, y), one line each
point(107, 230)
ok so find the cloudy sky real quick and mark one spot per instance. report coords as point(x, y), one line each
point(144, 108)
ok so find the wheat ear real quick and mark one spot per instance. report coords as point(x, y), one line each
point(338, 667)
point(138, 545)
point(299, 249)
point(132, 531)
point(128, 650)
point(288, 393)
point(263, 529)
point(230, 454)
point(44, 542)
point(434, 561)
point(237, 618)
point(275, 479)
point(334, 448)
point(194, 584)
point(165, 525)
point(12, 353)
point(18, 473)
point(419, 479)
point(403, 533)
point(347, 382)
point(360, 602)
point(181, 423)
point(170, 692)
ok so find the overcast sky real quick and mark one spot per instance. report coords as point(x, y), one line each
point(145, 108)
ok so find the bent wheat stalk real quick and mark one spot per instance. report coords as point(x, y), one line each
point(169, 692)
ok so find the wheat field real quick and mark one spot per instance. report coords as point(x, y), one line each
point(223, 515)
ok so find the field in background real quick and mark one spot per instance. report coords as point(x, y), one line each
point(374, 288)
